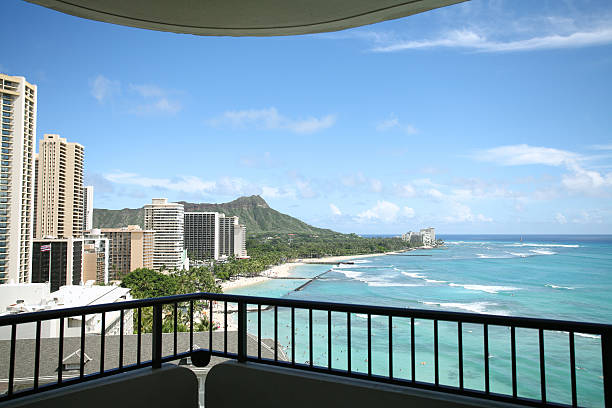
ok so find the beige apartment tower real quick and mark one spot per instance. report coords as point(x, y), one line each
point(18, 112)
point(129, 249)
point(167, 220)
point(60, 188)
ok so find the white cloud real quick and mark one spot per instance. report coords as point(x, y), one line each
point(515, 155)
point(586, 180)
point(230, 186)
point(472, 40)
point(335, 210)
point(578, 180)
point(408, 212)
point(393, 122)
point(148, 91)
point(463, 213)
point(405, 190)
point(561, 218)
point(437, 194)
point(271, 119)
point(383, 210)
point(103, 88)
point(157, 100)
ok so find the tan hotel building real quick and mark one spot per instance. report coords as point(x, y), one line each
point(129, 249)
point(18, 124)
point(59, 188)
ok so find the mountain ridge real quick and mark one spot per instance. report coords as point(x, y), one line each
point(253, 211)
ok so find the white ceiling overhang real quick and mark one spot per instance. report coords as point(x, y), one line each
point(243, 17)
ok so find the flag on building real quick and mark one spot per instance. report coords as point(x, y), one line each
point(45, 248)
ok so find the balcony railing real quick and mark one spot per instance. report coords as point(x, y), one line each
point(335, 320)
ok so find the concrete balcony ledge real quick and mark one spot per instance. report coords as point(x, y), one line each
point(169, 386)
point(237, 385)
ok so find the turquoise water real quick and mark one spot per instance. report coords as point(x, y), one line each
point(557, 277)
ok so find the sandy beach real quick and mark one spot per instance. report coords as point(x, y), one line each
point(277, 271)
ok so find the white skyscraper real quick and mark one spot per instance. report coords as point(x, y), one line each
point(88, 197)
point(167, 220)
point(18, 112)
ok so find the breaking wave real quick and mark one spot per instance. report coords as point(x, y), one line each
point(485, 288)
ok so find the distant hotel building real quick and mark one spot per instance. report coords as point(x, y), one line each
point(212, 235)
point(18, 107)
point(95, 257)
point(167, 220)
point(429, 236)
point(201, 238)
point(88, 198)
point(426, 237)
point(60, 188)
point(58, 261)
point(129, 249)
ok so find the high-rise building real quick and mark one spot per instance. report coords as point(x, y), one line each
point(167, 220)
point(429, 236)
point(58, 261)
point(95, 257)
point(226, 235)
point(129, 249)
point(60, 188)
point(88, 197)
point(240, 241)
point(232, 237)
point(201, 238)
point(18, 110)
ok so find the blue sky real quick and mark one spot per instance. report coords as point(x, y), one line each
point(484, 117)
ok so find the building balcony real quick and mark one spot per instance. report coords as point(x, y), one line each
point(291, 352)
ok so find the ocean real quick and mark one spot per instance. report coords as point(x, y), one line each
point(558, 277)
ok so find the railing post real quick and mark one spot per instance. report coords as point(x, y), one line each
point(157, 336)
point(606, 363)
point(242, 332)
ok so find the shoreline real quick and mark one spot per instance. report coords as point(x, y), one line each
point(283, 270)
point(277, 271)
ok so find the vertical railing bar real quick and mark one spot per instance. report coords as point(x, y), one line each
point(82, 362)
point(485, 347)
point(12, 359)
point(242, 331)
point(259, 331)
point(156, 335)
point(412, 350)
point(572, 351)
point(60, 352)
point(513, 357)
point(210, 325)
point(329, 341)
point(310, 351)
point(121, 316)
point(139, 336)
point(293, 336)
point(348, 341)
point(436, 362)
point(191, 326)
point(460, 351)
point(275, 333)
point(542, 366)
point(225, 327)
point(37, 355)
point(175, 327)
point(390, 346)
point(369, 345)
point(102, 340)
point(606, 365)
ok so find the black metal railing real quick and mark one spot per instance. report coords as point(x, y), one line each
point(167, 311)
